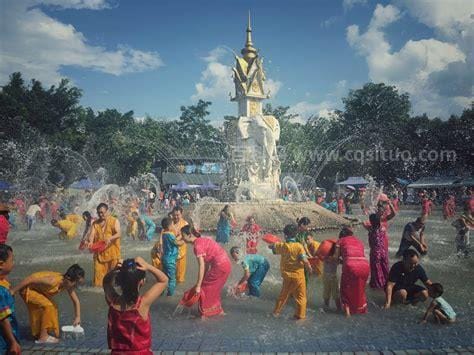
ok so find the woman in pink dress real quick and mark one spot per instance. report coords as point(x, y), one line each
point(54, 208)
point(44, 208)
point(426, 206)
point(386, 212)
point(21, 208)
point(378, 253)
point(355, 272)
point(214, 269)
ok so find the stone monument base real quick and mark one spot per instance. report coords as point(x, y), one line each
point(270, 215)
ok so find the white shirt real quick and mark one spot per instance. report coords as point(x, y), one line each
point(33, 210)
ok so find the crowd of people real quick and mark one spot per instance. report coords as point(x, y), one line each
point(302, 256)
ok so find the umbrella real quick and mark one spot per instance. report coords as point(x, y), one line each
point(181, 186)
point(350, 187)
point(85, 184)
point(209, 186)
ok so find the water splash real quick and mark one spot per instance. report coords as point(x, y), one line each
point(290, 184)
point(371, 195)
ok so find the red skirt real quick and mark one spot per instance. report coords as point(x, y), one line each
point(211, 288)
point(355, 272)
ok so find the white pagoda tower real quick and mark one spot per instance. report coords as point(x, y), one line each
point(254, 169)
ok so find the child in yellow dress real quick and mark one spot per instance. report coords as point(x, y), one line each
point(312, 247)
point(293, 262)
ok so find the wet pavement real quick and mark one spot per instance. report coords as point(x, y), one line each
point(248, 325)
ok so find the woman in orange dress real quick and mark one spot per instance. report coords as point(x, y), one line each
point(38, 290)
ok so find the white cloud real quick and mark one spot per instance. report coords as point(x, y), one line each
point(76, 4)
point(325, 108)
point(384, 16)
point(330, 21)
point(349, 4)
point(273, 86)
point(451, 21)
point(411, 68)
point(305, 109)
point(216, 80)
point(451, 18)
point(39, 46)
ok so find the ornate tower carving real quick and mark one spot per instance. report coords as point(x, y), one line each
point(254, 168)
point(249, 79)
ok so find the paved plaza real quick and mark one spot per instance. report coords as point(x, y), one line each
point(248, 325)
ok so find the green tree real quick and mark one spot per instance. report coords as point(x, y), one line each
point(196, 134)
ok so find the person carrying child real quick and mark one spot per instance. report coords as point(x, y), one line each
point(38, 290)
point(129, 323)
point(9, 333)
point(441, 310)
point(292, 265)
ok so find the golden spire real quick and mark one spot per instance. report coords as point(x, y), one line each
point(249, 52)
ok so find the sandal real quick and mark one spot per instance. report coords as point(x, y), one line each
point(49, 340)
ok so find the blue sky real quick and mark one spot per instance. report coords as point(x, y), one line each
point(153, 56)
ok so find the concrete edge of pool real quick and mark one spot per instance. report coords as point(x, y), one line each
point(43, 349)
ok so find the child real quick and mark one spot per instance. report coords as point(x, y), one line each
point(87, 217)
point(169, 253)
point(145, 226)
point(255, 269)
point(330, 280)
point(463, 226)
point(253, 231)
point(312, 247)
point(38, 289)
point(292, 265)
point(439, 308)
point(8, 323)
point(129, 322)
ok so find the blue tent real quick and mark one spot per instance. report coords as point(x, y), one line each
point(403, 181)
point(181, 186)
point(4, 186)
point(86, 184)
point(209, 186)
